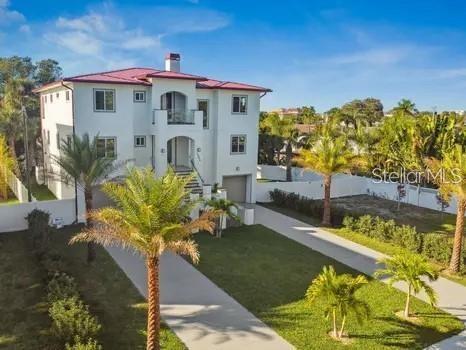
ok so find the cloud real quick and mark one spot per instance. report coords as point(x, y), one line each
point(8, 16)
point(24, 28)
point(374, 56)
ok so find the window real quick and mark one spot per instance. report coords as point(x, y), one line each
point(106, 147)
point(238, 144)
point(67, 95)
point(104, 100)
point(45, 98)
point(51, 98)
point(48, 137)
point(239, 104)
point(139, 96)
point(203, 105)
point(58, 140)
point(57, 95)
point(139, 141)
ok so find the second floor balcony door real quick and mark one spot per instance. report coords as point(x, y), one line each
point(175, 104)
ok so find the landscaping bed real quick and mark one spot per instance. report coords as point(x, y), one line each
point(111, 296)
point(269, 274)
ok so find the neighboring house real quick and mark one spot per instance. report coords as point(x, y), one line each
point(287, 112)
point(158, 118)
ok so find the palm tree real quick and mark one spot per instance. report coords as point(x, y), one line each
point(80, 161)
point(339, 292)
point(151, 215)
point(7, 165)
point(406, 107)
point(225, 209)
point(410, 268)
point(286, 129)
point(328, 156)
point(452, 181)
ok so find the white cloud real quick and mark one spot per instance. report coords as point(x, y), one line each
point(7, 15)
point(78, 42)
point(375, 56)
point(24, 28)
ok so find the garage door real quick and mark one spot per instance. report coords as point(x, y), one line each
point(236, 187)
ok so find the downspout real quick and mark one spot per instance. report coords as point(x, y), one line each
point(74, 134)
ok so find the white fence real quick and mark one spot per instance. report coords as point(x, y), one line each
point(343, 185)
point(12, 217)
point(18, 188)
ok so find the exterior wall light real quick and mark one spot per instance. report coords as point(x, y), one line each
point(162, 150)
point(237, 168)
point(199, 149)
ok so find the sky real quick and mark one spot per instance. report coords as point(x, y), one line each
point(321, 53)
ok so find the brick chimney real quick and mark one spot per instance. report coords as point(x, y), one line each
point(172, 62)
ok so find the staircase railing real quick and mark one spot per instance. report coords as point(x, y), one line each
point(197, 172)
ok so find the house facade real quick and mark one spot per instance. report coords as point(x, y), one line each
point(159, 118)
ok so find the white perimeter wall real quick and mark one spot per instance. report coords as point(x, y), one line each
point(342, 185)
point(12, 217)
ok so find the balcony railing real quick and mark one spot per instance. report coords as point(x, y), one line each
point(176, 117)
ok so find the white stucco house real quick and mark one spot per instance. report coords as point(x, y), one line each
point(159, 118)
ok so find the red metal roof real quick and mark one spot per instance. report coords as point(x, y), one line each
point(140, 76)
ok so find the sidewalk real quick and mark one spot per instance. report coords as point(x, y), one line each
point(201, 314)
point(451, 295)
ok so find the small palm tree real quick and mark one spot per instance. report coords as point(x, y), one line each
point(453, 182)
point(224, 208)
point(328, 156)
point(7, 165)
point(285, 128)
point(339, 294)
point(80, 161)
point(410, 268)
point(151, 215)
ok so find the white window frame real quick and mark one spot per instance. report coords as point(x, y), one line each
point(232, 152)
point(142, 137)
point(105, 110)
point(136, 92)
point(233, 103)
point(208, 112)
point(114, 145)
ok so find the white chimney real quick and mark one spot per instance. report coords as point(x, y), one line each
point(172, 62)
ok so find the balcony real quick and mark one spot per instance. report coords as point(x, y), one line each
point(166, 119)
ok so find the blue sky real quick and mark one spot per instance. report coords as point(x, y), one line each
point(320, 53)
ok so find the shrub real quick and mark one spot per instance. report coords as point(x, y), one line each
point(71, 319)
point(61, 286)
point(349, 223)
point(438, 247)
point(39, 229)
point(81, 345)
point(407, 237)
point(52, 262)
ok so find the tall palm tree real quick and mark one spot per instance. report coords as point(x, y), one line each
point(225, 209)
point(151, 215)
point(452, 181)
point(80, 161)
point(328, 156)
point(7, 165)
point(339, 293)
point(286, 129)
point(406, 107)
point(410, 268)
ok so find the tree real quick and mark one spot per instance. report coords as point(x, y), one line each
point(286, 129)
point(328, 156)
point(47, 71)
point(81, 163)
point(7, 165)
point(406, 107)
point(225, 209)
point(452, 181)
point(409, 268)
point(308, 115)
point(339, 294)
point(151, 215)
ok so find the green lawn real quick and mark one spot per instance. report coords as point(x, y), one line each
point(269, 274)
point(103, 285)
point(383, 247)
point(42, 193)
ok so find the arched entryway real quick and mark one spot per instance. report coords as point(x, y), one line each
point(180, 152)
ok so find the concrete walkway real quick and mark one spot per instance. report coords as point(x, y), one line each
point(451, 295)
point(201, 314)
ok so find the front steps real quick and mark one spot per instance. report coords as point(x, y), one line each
point(192, 186)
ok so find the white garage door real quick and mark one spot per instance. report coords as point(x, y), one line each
point(236, 187)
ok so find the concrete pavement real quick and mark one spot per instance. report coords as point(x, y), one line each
point(451, 295)
point(201, 314)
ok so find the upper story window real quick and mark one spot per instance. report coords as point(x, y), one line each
point(238, 144)
point(57, 95)
point(139, 96)
point(67, 95)
point(45, 98)
point(203, 105)
point(239, 104)
point(139, 141)
point(104, 100)
point(106, 147)
point(51, 98)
